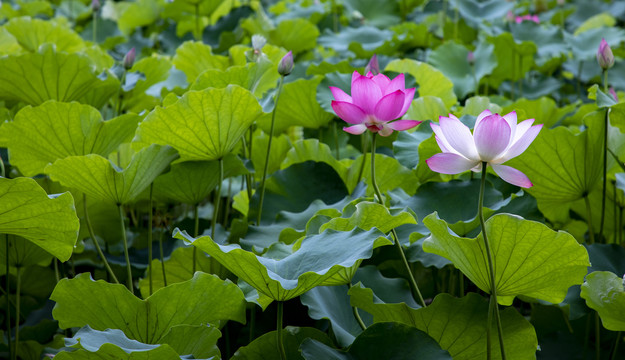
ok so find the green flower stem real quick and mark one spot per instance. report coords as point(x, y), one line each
point(150, 220)
point(8, 304)
point(597, 337)
point(248, 177)
point(118, 109)
point(196, 230)
point(95, 27)
point(125, 239)
point(279, 330)
point(356, 314)
point(336, 140)
point(95, 240)
point(491, 268)
point(605, 163)
point(591, 233)
point(413, 283)
point(616, 343)
point(160, 246)
point(605, 81)
point(57, 275)
point(217, 198)
point(262, 182)
point(17, 311)
point(2, 169)
point(363, 146)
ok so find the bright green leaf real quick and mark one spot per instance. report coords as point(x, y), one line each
point(318, 258)
point(49, 221)
point(202, 125)
point(53, 130)
point(99, 178)
point(604, 292)
point(257, 77)
point(32, 33)
point(193, 58)
point(101, 305)
point(296, 35)
point(369, 215)
point(529, 258)
point(47, 74)
point(265, 347)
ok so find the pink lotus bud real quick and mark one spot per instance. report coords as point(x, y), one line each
point(373, 66)
point(510, 16)
point(129, 59)
point(604, 55)
point(535, 19)
point(471, 58)
point(95, 5)
point(613, 93)
point(286, 64)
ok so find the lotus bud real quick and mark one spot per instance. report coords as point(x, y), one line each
point(95, 5)
point(286, 64)
point(373, 66)
point(471, 58)
point(129, 59)
point(613, 93)
point(605, 57)
point(258, 41)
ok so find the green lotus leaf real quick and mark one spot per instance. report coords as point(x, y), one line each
point(388, 340)
point(476, 104)
point(297, 35)
point(318, 258)
point(369, 215)
point(32, 33)
point(426, 108)
point(202, 125)
point(48, 221)
point(47, 74)
point(451, 59)
point(257, 77)
point(458, 325)
point(155, 69)
point(529, 258)
point(544, 110)
point(192, 181)
point(99, 178)
point(514, 59)
point(298, 106)
point(431, 81)
point(314, 150)
point(178, 268)
point(197, 340)
point(604, 292)
point(193, 58)
point(82, 301)
point(563, 166)
point(483, 10)
point(53, 130)
point(364, 40)
point(137, 14)
point(112, 344)
point(377, 13)
point(265, 347)
point(23, 253)
point(280, 146)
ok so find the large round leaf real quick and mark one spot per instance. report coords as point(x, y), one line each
point(47, 74)
point(49, 221)
point(530, 259)
point(194, 57)
point(32, 33)
point(54, 130)
point(318, 258)
point(266, 347)
point(100, 178)
point(604, 292)
point(202, 125)
point(82, 301)
point(387, 340)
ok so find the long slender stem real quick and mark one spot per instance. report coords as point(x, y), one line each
point(125, 239)
point(2, 169)
point(95, 240)
point(356, 314)
point(150, 235)
point(336, 140)
point(248, 177)
point(17, 311)
point(95, 27)
point(8, 303)
point(57, 275)
point(217, 198)
point(489, 321)
point(491, 266)
point(279, 330)
point(597, 337)
point(605, 166)
point(416, 293)
point(591, 232)
point(196, 230)
point(616, 343)
point(118, 108)
point(364, 157)
point(605, 81)
point(160, 246)
point(262, 182)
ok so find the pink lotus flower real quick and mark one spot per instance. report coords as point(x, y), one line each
point(528, 17)
point(376, 100)
point(495, 140)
